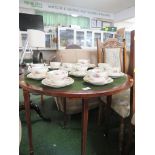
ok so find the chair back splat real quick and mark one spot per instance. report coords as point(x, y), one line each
point(112, 52)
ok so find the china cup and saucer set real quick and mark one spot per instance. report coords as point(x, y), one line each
point(60, 76)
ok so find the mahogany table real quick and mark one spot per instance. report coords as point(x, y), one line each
point(73, 91)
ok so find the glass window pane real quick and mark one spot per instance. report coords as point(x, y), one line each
point(47, 40)
point(70, 36)
point(89, 39)
point(106, 36)
point(80, 38)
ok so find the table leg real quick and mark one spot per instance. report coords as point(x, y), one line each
point(65, 114)
point(28, 119)
point(84, 125)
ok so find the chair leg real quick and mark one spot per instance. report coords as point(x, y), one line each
point(130, 139)
point(107, 115)
point(121, 136)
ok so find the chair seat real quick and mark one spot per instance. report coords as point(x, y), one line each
point(120, 103)
point(74, 106)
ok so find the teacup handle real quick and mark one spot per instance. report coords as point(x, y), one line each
point(29, 68)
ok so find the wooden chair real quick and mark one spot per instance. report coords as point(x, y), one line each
point(114, 53)
point(132, 110)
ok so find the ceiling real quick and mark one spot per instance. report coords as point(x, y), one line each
point(111, 6)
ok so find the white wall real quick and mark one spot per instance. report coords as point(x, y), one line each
point(26, 10)
point(125, 14)
point(58, 8)
point(129, 25)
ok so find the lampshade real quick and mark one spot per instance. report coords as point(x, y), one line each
point(36, 38)
point(20, 40)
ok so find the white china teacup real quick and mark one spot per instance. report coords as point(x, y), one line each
point(38, 70)
point(67, 66)
point(57, 75)
point(98, 79)
point(97, 73)
point(116, 69)
point(104, 66)
point(55, 64)
point(80, 67)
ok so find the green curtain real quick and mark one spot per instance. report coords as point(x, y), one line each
point(55, 19)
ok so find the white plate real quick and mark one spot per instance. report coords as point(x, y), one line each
point(87, 79)
point(116, 75)
point(36, 76)
point(55, 84)
point(77, 73)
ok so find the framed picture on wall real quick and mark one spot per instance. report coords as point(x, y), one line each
point(99, 24)
point(93, 23)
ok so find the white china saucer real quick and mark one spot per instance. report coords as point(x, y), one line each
point(116, 75)
point(53, 67)
point(87, 79)
point(36, 76)
point(77, 73)
point(58, 84)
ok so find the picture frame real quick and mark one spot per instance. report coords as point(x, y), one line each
point(93, 23)
point(99, 24)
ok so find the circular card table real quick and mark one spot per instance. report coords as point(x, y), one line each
point(72, 91)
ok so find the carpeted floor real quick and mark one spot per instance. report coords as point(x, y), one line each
point(67, 141)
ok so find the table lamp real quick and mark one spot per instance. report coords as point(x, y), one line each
point(35, 39)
